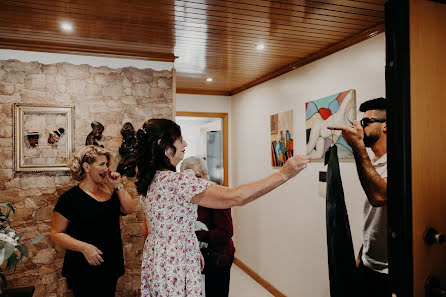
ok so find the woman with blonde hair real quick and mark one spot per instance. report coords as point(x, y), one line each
point(86, 222)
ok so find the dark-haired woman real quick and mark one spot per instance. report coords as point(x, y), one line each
point(86, 223)
point(171, 260)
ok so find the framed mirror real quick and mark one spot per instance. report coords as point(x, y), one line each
point(43, 137)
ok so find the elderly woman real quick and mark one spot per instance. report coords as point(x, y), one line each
point(86, 223)
point(220, 250)
point(171, 258)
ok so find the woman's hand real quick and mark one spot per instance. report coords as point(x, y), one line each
point(114, 178)
point(201, 261)
point(92, 254)
point(294, 165)
point(127, 204)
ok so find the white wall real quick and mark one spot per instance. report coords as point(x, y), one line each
point(203, 103)
point(282, 236)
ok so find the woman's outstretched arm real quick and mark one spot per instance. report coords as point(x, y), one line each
point(222, 197)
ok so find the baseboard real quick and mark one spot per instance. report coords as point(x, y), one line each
point(270, 288)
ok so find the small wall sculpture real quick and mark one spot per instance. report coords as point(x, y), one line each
point(127, 165)
point(95, 134)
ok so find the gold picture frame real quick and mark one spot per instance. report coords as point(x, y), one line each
point(43, 137)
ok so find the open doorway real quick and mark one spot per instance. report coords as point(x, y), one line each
point(207, 138)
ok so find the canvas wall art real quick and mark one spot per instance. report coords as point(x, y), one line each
point(281, 137)
point(335, 110)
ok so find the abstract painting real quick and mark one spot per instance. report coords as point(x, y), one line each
point(281, 138)
point(335, 110)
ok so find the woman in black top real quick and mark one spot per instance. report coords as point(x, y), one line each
point(86, 223)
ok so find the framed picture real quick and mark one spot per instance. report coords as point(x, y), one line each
point(335, 110)
point(43, 137)
point(282, 147)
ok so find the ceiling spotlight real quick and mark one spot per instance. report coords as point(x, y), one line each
point(209, 79)
point(260, 47)
point(66, 27)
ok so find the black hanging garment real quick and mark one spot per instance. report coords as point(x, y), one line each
point(341, 257)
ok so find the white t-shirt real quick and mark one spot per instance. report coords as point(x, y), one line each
point(374, 251)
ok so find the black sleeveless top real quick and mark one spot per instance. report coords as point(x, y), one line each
point(96, 223)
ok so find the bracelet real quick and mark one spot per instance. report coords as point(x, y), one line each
point(119, 187)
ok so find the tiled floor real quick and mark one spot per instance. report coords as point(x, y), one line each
point(242, 285)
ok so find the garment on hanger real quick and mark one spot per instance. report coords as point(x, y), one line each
point(341, 257)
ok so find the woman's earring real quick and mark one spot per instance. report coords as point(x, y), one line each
point(167, 154)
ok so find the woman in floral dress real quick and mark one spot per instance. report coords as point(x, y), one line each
point(172, 261)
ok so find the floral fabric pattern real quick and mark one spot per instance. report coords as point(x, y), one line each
point(171, 258)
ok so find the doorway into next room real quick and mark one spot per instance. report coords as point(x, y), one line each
point(206, 136)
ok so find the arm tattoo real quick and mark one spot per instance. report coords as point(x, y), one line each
point(375, 187)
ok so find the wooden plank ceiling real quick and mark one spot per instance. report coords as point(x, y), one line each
point(208, 38)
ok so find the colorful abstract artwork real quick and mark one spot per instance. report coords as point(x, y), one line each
point(334, 110)
point(281, 138)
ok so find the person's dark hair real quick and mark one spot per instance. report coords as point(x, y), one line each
point(150, 155)
point(374, 104)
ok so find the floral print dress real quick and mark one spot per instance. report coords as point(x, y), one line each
point(171, 258)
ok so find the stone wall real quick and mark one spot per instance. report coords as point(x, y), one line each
point(110, 96)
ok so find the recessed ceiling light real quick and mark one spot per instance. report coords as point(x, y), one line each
point(209, 79)
point(66, 27)
point(260, 47)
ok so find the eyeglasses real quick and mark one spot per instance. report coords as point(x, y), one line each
point(366, 121)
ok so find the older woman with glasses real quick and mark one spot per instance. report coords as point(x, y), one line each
point(219, 253)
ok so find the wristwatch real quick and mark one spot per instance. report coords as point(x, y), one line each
point(119, 187)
